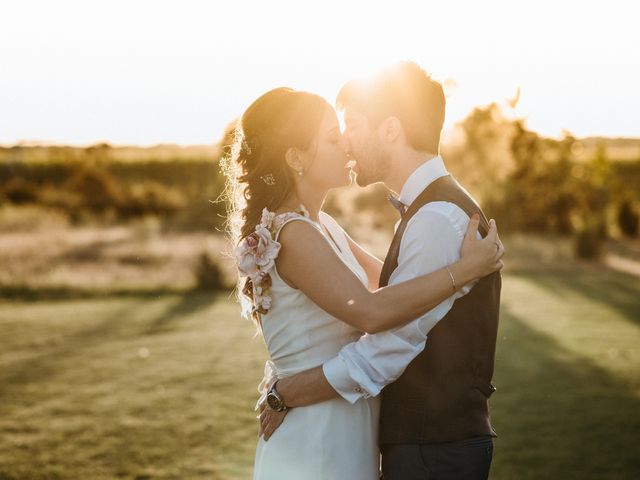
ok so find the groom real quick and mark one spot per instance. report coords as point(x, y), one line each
point(434, 421)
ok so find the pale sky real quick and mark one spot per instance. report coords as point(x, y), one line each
point(153, 71)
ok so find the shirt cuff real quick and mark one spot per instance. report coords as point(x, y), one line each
point(337, 374)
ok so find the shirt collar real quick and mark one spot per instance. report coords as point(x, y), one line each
point(421, 178)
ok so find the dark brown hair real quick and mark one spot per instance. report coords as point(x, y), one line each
point(257, 173)
point(404, 91)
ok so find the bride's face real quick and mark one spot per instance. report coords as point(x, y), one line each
point(327, 162)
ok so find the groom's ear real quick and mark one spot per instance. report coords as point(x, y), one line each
point(391, 129)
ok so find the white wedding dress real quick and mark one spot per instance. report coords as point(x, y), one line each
point(332, 440)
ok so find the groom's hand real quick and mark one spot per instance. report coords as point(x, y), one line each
point(305, 388)
point(270, 420)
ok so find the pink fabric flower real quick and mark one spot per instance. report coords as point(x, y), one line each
point(267, 218)
point(266, 251)
point(256, 255)
point(262, 304)
point(245, 255)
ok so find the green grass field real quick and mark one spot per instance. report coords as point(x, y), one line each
point(159, 387)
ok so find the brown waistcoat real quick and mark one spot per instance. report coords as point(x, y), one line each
point(443, 394)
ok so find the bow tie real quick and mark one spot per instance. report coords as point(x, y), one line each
point(397, 204)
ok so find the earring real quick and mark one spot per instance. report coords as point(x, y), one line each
point(300, 173)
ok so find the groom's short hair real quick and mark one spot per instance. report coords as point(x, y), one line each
point(405, 91)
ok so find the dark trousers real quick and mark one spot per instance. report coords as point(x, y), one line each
point(464, 460)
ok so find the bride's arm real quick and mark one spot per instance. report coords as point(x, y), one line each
point(307, 262)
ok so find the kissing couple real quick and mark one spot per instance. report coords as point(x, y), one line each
point(375, 368)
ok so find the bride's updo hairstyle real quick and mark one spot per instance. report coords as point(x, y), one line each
point(258, 175)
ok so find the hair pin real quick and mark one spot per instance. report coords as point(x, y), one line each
point(269, 179)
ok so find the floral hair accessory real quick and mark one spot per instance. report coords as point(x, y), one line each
point(255, 257)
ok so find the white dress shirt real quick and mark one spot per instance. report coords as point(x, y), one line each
point(431, 241)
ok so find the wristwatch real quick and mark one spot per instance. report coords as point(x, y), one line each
point(274, 400)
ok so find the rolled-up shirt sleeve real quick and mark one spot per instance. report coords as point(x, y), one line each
point(431, 241)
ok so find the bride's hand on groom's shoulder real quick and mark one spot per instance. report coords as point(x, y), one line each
point(483, 256)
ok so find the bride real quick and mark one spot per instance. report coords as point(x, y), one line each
point(309, 287)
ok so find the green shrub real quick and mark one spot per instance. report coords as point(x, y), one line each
point(628, 219)
point(588, 244)
point(20, 191)
point(209, 274)
point(151, 198)
point(98, 190)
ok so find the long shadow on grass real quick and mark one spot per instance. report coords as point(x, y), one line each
point(186, 306)
point(117, 324)
point(602, 284)
point(559, 416)
point(46, 362)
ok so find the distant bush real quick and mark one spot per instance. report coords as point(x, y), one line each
point(526, 181)
point(628, 219)
point(20, 191)
point(588, 244)
point(209, 275)
point(97, 188)
point(102, 182)
point(151, 198)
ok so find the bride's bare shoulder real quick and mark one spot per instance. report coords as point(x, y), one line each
point(298, 230)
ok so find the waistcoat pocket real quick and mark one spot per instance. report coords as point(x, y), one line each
point(483, 386)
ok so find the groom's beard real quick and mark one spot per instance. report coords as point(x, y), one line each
point(374, 167)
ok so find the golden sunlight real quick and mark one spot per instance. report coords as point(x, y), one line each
point(181, 74)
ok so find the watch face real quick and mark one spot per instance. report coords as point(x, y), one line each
point(274, 402)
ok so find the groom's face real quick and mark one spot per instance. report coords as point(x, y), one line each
point(366, 148)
